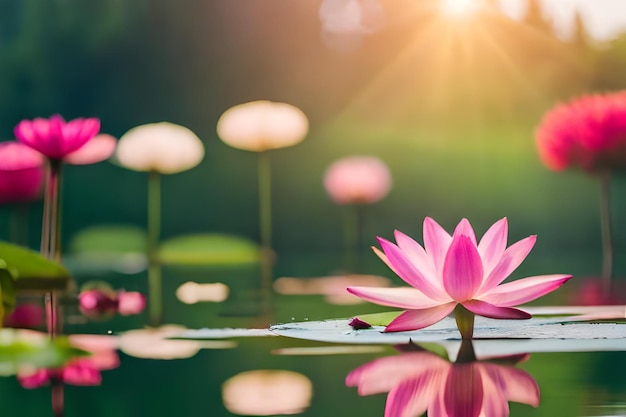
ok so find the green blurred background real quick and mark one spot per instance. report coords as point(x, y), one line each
point(450, 105)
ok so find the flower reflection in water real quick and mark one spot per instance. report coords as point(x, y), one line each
point(267, 393)
point(419, 380)
point(79, 371)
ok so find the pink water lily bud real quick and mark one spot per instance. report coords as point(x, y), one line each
point(21, 173)
point(589, 132)
point(130, 302)
point(457, 270)
point(98, 149)
point(262, 125)
point(162, 147)
point(357, 180)
point(97, 304)
point(54, 137)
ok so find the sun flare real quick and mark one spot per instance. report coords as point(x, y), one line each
point(459, 8)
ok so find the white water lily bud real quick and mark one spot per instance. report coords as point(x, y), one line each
point(259, 126)
point(163, 147)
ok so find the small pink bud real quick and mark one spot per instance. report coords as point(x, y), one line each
point(131, 302)
point(358, 324)
point(96, 304)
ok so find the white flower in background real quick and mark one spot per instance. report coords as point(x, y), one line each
point(162, 147)
point(262, 125)
point(357, 180)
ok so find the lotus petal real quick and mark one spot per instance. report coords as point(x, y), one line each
point(463, 269)
point(418, 319)
point(495, 312)
point(524, 290)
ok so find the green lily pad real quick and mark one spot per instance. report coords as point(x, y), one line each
point(102, 249)
point(209, 249)
point(109, 239)
point(591, 331)
point(31, 270)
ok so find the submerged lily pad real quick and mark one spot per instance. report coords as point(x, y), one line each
point(209, 249)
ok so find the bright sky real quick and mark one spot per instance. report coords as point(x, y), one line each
point(604, 18)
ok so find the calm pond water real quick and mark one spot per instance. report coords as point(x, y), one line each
point(278, 375)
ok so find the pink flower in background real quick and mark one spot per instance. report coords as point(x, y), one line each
point(357, 180)
point(101, 304)
point(97, 304)
point(54, 137)
point(80, 371)
point(26, 316)
point(130, 302)
point(420, 381)
point(21, 173)
point(452, 270)
point(589, 132)
point(98, 149)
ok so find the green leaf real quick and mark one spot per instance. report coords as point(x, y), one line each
point(31, 270)
point(209, 249)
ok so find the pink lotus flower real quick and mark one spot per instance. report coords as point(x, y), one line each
point(21, 173)
point(420, 381)
point(456, 270)
point(589, 132)
point(80, 371)
point(357, 180)
point(54, 137)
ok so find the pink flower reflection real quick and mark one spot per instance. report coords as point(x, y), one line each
point(357, 180)
point(54, 137)
point(588, 132)
point(80, 371)
point(420, 381)
point(98, 149)
point(457, 270)
point(21, 173)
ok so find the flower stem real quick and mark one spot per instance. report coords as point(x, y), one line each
point(50, 236)
point(265, 228)
point(51, 249)
point(154, 230)
point(466, 352)
point(605, 224)
point(464, 321)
